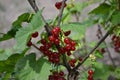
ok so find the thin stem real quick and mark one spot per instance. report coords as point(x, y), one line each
point(66, 63)
point(109, 54)
point(104, 37)
point(2, 33)
point(35, 47)
point(35, 8)
point(61, 12)
point(119, 4)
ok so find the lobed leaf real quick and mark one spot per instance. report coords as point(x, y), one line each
point(28, 68)
point(24, 33)
point(25, 17)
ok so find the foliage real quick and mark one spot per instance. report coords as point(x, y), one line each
point(60, 44)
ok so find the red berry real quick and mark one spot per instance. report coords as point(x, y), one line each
point(90, 77)
point(67, 40)
point(57, 41)
point(73, 60)
point(90, 72)
point(68, 47)
point(67, 33)
point(68, 53)
point(80, 59)
point(57, 29)
point(51, 39)
point(72, 64)
point(55, 32)
point(73, 43)
point(59, 4)
point(73, 48)
point(43, 41)
point(29, 44)
point(35, 34)
point(61, 73)
point(61, 50)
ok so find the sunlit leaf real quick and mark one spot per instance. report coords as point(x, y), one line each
point(24, 33)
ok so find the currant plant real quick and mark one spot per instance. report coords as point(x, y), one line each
point(60, 42)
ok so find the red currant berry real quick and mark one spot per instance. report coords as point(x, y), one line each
point(67, 33)
point(80, 59)
point(67, 40)
point(57, 29)
point(90, 77)
point(73, 43)
point(51, 39)
point(29, 44)
point(59, 4)
point(90, 72)
point(72, 64)
point(68, 47)
point(61, 73)
point(57, 41)
point(73, 48)
point(43, 41)
point(73, 60)
point(61, 50)
point(68, 53)
point(35, 34)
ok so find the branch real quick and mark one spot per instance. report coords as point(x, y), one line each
point(61, 12)
point(2, 33)
point(35, 8)
point(104, 37)
point(35, 47)
point(109, 54)
point(119, 4)
point(66, 63)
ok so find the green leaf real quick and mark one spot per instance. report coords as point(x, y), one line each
point(115, 18)
point(102, 13)
point(78, 7)
point(117, 72)
point(8, 62)
point(8, 65)
point(28, 68)
point(101, 9)
point(98, 54)
point(4, 54)
point(26, 17)
point(77, 29)
point(23, 35)
point(102, 71)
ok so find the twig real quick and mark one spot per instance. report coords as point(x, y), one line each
point(35, 8)
point(66, 63)
point(109, 54)
point(2, 33)
point(33, 4)
point(35, 47)
point(59, 21)
point(119, 4)
point(104, 37)
point(61, 12)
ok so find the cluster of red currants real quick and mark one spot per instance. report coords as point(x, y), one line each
point(116, 43)
point(90, 74)
point(49, 43)
point(54, 41)
point(57, 76)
